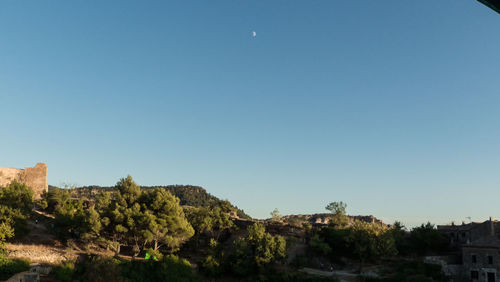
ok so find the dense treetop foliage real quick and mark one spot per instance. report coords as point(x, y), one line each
point(426, 239)
point(253, 254)
point(128, 216)
point(188, 195)
point(213, 220)
point(16, 204)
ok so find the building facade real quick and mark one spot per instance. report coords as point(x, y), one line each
point(478, 251)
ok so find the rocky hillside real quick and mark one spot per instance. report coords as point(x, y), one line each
point(325, 218)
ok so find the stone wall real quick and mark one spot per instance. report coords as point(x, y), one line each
point(487, 260)
point(34, 177)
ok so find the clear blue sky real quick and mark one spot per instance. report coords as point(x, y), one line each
point(390, 106)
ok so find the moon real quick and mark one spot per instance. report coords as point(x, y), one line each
point(254, 34)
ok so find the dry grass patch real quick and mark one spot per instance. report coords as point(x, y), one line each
point(41, 253)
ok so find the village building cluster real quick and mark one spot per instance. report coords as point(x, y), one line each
point(476, 254)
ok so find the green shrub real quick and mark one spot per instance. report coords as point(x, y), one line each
point(99, 269)
point(318, 245)
point(210, 266)
point(64, 272)
point(9, 267)
point(106, 269)
point(257, 251)
point(170, 268)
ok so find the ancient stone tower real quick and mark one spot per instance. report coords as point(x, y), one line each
point(34, 177)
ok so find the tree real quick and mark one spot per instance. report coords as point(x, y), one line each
point(275, 215)
point(211, 265)
point(221, 221)
point(121, 216)
point(399, 233)
point(17, 196)
point(43, 201)
point(6, 232)
point(371, 241)
point(336, 207)
point(70, 218)
point(141, 218)
point(14, 218)
point(201, 221)
point(319, 245)
point(129, 190)
point(338, 210)
point(56, 197)
point(212, 221)
point(337, 240)
point(16, 205)
point(427, 239)
point(257, 250)
point(112, 233)
point(165, 221)
point(91, 224)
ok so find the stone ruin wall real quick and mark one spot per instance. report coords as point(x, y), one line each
point(34, 177)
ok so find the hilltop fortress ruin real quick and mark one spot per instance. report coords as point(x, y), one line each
point(34, 177)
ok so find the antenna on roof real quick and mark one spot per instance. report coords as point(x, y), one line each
point(469, 218)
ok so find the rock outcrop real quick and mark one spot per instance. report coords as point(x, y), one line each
point(34, 177)
point(325, 218)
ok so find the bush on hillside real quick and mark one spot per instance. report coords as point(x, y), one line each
point(64, 272)
point(99, 269)
point(170, 268)
point(17, 203)
point(9, 267)
point(105, 269)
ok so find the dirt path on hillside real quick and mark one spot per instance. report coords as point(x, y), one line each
point(40, 245)
point(39, 226)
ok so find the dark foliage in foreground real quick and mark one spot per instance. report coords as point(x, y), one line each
point(105, 269)
point(9, 267)
point(413, 271)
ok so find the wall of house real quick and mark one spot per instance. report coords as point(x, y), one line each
point(482, 265)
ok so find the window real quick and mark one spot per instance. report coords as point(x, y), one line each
point(474, 259)
point(474, 274)
point(490, 259)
